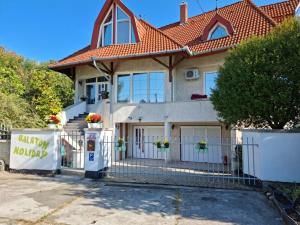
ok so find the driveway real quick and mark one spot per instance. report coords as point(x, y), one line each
point(28, 200)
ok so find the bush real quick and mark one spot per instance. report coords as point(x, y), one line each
point(259, 84)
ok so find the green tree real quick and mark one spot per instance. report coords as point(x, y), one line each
point(45, 91)
point(17, 113)
point(11, 75)
point(259, 84)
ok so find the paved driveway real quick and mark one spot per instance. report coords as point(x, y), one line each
point(26, 199)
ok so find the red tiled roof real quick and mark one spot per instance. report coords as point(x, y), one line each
point(153, 41)
point(280, 11)
point(245, 18)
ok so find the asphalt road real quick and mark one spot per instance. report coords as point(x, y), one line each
point(28, 200)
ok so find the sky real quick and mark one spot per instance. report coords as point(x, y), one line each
point(45, 30)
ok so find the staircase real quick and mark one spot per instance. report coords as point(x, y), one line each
point(76, 125)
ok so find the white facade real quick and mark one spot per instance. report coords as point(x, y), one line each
point(172, 112)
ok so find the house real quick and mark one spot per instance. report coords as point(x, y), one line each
point(159, 80)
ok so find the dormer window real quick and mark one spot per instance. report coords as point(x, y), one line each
point(219, 31)
point(125, 33)
point(218, 27)
point(122, 33)
point(106, 36)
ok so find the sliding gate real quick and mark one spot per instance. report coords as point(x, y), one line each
point(185, 161)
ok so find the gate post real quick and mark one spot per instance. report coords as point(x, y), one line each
point(97, 154)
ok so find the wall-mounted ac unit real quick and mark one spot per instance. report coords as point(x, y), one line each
point(192, 74)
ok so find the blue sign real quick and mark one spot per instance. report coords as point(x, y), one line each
point(91, 157)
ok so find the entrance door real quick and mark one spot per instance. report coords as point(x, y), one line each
point(190, 136)
point(144, 137)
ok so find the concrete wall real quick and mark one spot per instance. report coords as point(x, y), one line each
point(276, 156)
point(184, 88)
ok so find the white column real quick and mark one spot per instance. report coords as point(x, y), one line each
point(167, 133)
point(167, 129)
point(76, 98)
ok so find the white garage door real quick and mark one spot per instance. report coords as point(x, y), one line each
point(144, 137)
point(190, 136)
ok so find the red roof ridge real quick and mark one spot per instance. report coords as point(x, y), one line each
point(275, 3)
point(193, 17)
point(262, 12)
point(161, 32)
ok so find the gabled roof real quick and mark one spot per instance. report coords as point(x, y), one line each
point(245, 18)
point(153, 41)
point(280, 11)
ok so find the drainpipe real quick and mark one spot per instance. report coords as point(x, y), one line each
point(110, 87)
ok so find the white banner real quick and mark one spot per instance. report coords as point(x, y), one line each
point(34, 150)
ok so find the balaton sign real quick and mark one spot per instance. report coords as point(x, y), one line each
point(36, 143)
point(34, 150)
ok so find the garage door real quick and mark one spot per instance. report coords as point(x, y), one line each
point(190, 136)
point(144, 137)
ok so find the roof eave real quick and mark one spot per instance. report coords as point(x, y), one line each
point(184, 49)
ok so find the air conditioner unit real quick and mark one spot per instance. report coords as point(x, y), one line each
point(192, 74)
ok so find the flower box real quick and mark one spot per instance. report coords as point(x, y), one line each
point(94, 121)
point(54, 121)
point(120, 145)
point(94, 125)
point(201, 146)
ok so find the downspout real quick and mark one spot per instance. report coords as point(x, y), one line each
point(110, 87)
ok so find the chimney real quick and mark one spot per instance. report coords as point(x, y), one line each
point(183, 12)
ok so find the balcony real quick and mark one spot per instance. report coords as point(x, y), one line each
point(189, 111)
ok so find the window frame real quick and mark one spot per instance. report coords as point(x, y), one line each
point(123, 20)
point(101, 34)
point(165, 72)
point(96, 85)
point(204, 80)
point(214, 28)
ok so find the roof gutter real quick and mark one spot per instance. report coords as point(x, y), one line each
point(92, 59)
point(99, 70)
point(213, 50)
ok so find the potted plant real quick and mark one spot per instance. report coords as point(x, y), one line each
point(162, 146)
point(202, 146)
point(104, 95)
point(157, 144)
point(53, 121)
point(120, 145)
point(93, 120)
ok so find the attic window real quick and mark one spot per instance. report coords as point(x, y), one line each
point(125, 32)
point(297, 13)
point(107, 30)
point(217, 32)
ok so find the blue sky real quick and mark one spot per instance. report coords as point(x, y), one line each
point(52, 29)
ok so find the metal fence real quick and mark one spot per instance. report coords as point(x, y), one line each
point(71, 146)
point(4, 132)
point(191, 161)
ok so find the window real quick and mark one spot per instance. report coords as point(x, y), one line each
point(146, 87)
point(102, 90)
point(125, 32)
point(140, 87)
point(210, 82)
point(298, 11)
point(95, 88)
point(157, 89)
point(91, 93)
point(218, 32)
point(107, 31)
point(123, 88)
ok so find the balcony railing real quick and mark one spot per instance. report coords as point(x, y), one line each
point(189, 111)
